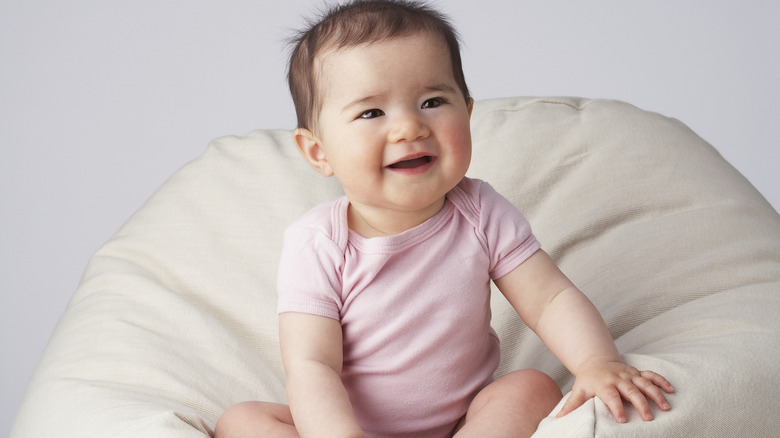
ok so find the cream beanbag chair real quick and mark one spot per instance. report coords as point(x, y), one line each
point(175, 318)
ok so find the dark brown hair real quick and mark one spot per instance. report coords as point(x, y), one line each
point(355, 23)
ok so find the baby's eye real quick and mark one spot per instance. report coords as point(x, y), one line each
point(371, 114)
point(434, 102)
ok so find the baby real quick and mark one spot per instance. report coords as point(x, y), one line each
point(384, 316)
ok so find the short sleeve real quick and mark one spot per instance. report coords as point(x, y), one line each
point(309, 279)
point(508, 234)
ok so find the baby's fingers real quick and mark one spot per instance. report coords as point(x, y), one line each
point(658, 380)
point(611, 396)
point(634, 391)
point(645, 386)
point(651, 385)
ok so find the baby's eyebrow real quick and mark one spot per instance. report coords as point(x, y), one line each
point(442, 88)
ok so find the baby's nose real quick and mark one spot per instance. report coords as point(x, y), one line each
point(409, 128)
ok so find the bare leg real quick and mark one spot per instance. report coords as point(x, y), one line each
point(256, 419)
point(512, 406)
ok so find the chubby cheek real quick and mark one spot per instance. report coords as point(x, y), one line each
point(459, 139)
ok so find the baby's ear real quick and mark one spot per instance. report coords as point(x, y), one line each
point(311, 149)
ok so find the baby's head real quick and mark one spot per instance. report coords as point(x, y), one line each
point(356, 23)
point(382, 106)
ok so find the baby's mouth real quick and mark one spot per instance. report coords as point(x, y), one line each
point(412, 163)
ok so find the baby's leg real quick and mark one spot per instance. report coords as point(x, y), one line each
point(512, 406)
point(256, 419)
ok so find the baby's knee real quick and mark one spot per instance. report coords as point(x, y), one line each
point(518, 401)
point(231, 421)
point(536, 382)
point(525, 385)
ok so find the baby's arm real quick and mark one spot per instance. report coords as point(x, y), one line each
point(312, 354)
point(574, 331)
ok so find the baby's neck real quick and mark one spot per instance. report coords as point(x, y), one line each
point(372, 222)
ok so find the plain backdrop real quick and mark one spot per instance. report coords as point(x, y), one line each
point(102, 100)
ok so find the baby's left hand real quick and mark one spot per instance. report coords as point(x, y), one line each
point(614, 381)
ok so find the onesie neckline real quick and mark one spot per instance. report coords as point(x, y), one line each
point(397, 242)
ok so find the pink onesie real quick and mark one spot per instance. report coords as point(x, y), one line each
point(414, 307)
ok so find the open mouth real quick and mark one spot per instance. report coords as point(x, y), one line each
point(412, 163)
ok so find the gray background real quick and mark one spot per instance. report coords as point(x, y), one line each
point(102, 100)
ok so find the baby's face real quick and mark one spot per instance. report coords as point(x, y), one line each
point(394, 125)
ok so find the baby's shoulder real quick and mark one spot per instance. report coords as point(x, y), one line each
point(475, 189)
point(324, 221)
point(473, 196)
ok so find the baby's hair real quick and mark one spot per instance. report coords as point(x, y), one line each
point(361, 22)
